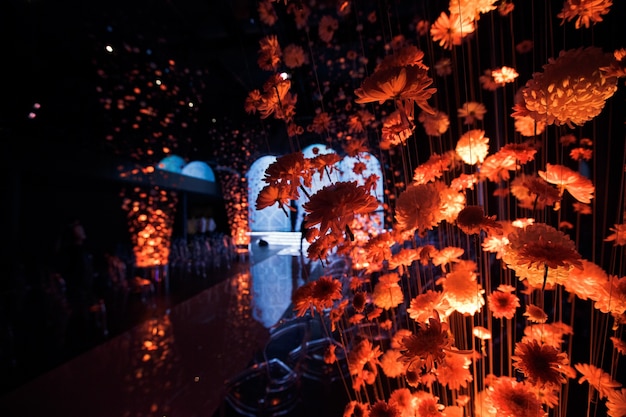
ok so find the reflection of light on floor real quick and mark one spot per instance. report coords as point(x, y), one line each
point(291, 250)
point(271, 289)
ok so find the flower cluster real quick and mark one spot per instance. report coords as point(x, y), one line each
point(462, 299)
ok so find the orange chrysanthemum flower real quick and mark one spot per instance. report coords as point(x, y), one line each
point(581, 188)
point(508, 397)
point(450, 30)
point(571, 90)
point(535, 314)
point(618, 236)
point(427, 347)
point(587, 282)
point(334, 206)
point(597, 378)
point(409, 84)
point(503, 304)
point(397, 128)
point(433, 168)
point(271, 194)
point(269, 53)
point(533, 192)
point(461, 288)
point(504, 75)
point(422, 306)
point(391, 363)
point(585, 12)
point(294, 56)
point(537, 247)
point(473, 146)
point(435, 124)
point(327, 27)
point(407, 55)
point(454, 371)
point(387, 292)
point(616, 403)
point(542, 364)
point(383, 409)
point(472, 220)
point(471, 111)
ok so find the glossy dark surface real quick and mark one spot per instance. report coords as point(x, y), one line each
point(176, 362)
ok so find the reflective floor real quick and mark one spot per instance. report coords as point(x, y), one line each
point(177, 361)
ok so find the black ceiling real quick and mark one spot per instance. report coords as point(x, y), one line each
point(56, 59)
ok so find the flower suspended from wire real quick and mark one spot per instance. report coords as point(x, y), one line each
point(580, 187)
point(503, 304)
point(571, 89)
point(509, 398)
point(472, 220)
point(473, 146)
point(397, 128)
point(542, 364)
point(597, 378)
point(585, 12)
point(434, 124)
point(426, 348)
point(422, 306)
point(333, 207)
point(387, 292)
point(536, 249)
point(409, 84)
point(450, 30)
point(618, 236)
point(472, 111)
point(461, 288)
point(270, 53)
point(294, 56)
point(328, 25)
point(504, 75)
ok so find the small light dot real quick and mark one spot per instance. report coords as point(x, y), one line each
point(196, 379)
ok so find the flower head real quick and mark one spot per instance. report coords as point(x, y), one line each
point(409, 83)
point(514, 399)
point(427, 347)
point(572, 89)
point(503, 304)
point(472, 111)
point(473, 146)
point(597, 378)
point(334, 206)
point(585, 12)
point(450, 30)
point(542, 364)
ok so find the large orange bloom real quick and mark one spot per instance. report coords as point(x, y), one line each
point(272, 194)
point(537, 247)
point(585, 12)
point(571, 90)
point(397, 83)
point(542, 364)
point(450, 30)
point(419, 207)
point(334, 206)
point(427, 347)
point(289, 169)
point(581, 188)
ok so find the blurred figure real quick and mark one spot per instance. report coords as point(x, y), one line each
point(76, 268)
